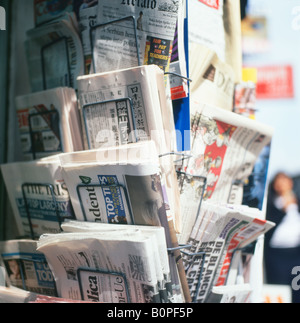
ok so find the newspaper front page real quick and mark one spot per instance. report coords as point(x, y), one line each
point(149, 37)
point(38, 195)
point(116, 267)
point(218, 232)
point(47, 121)
point(26, 268)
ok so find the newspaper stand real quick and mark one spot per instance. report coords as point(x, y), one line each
point(114, 186)
point(31, 117)
point(58, 217)
point(97, 26)
point(94, 105)
point(43, 60)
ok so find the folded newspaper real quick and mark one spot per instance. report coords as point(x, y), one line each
point(26, 268)
point(219, 231)
point(123, 42)
point(130, 105)
point(169, 291)
point(225, 148)
point(49, 123)
point(54, 55)
point(114, 266)
point(38, 195)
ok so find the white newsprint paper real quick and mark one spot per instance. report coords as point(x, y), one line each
point(38, 195)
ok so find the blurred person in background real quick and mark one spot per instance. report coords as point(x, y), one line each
point(282, 244)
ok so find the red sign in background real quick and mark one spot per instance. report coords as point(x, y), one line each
point(275, 82)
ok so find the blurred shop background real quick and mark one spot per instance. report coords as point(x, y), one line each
point(270, 37)
point(271, 31)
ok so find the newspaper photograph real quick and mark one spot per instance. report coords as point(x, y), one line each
point(148, 39)
point(113, 267)
point(54, 56)
point(38, 195)
point(26, 268)
point(218, 232)
point(47, 121)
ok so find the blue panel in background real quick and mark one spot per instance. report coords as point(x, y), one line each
point(181, 107)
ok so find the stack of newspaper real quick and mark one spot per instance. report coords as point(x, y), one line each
point(225, 147)
point(38, 195)
point(220, 230)
point(49, 123)
point(45, 11)
point(121, 185)
point(54, 55)
point(26, 268)
point(109, 265)
point(128, 106)
point(125, 106)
